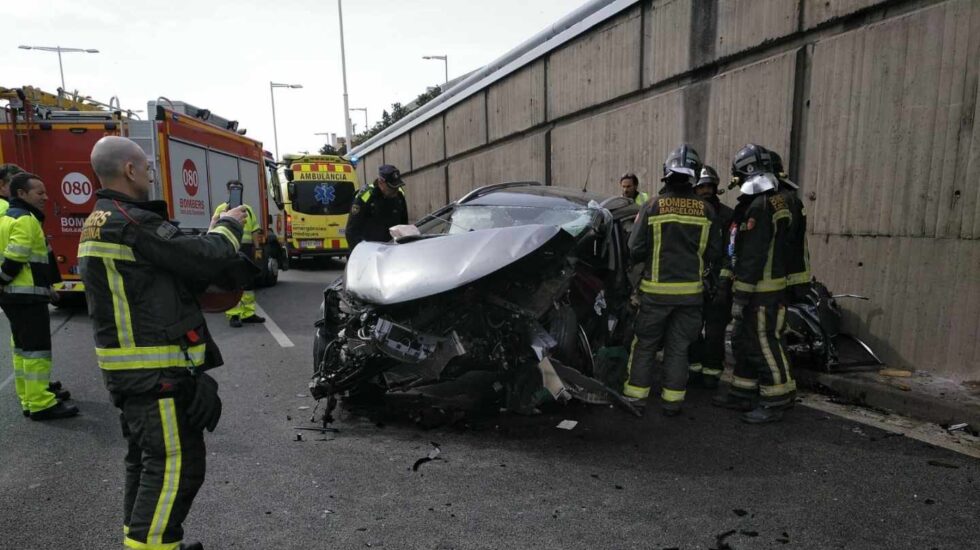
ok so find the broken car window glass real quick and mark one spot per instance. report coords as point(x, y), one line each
point(490, 217)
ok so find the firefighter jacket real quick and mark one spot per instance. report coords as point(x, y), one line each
point(251, 222)
point(4, 206)
point(641, 198)
point(759, 255)
point(721, 267)
point(373, 213)
point(140, 276)
point(28, 268)
point(797, 251)
point(678, 237)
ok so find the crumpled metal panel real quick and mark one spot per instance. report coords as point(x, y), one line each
point(382, 273)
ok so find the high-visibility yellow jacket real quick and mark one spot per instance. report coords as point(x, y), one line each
point(28, 269)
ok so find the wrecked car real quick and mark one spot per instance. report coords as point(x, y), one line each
point(520, 280)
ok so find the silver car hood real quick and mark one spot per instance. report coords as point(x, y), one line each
point(383, 273)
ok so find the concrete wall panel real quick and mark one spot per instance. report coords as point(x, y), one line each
point(399, 153)
point(425, 191)
point(428, 143)
point(932, 301)
point(752, 104)
point(743, 24)
point(890, 138)
point(517, 102)
point(521, 160)
point(368, 168)
point(667, 40)
point(601, 65)
point(816, 12)
point(635, 138)
point(466, 125)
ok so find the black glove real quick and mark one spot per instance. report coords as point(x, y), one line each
point(205, 409)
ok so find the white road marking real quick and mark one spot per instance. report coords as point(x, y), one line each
point(959, 442)
point(274, 329)
point(7, 381)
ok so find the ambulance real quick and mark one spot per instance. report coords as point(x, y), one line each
point(315, 196)
point(193, 154)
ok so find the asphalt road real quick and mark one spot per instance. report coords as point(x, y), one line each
point(814, 481)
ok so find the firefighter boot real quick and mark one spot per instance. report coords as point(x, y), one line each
point(235, 321)
point(254, 319)
point(763, 415)
point(726, 400)
point(60, 410)
point(191, 546)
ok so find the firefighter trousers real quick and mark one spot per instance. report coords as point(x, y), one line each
point(30, 342)
point(165, 464)
point(707, 353)
point(245, 308)
point(761, 366)
point(674, 327)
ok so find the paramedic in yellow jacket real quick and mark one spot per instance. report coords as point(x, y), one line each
point(244, 312)
point(26, 275)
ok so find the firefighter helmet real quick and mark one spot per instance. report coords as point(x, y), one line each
point(708, 176)
point(682, 160)
point(750, 160)
point(780, 171)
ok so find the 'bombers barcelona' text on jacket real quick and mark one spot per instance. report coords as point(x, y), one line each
point(678, 237)
point(140, 276)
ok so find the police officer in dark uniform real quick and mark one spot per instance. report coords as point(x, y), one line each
point(762, 384)
point(151, 342)
point(676, 236)
point(378, 207)
point(707, 354)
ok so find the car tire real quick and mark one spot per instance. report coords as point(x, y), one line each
point(272, 270)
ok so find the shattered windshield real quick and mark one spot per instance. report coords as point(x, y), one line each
point(471, 217)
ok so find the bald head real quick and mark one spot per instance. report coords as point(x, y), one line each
point(121, 166)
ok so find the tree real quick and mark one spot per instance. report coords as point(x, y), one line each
point(398, 112)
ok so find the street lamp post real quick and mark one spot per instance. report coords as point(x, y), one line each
point(445, 61)
point(59, 50)
point(275, 132)
point(343, 68)
point(365, 115)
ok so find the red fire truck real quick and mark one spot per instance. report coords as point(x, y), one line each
point(192, 151)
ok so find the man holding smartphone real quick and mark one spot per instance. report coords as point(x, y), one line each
point(244, 312)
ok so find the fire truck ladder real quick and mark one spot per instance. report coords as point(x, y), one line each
point(17, 103)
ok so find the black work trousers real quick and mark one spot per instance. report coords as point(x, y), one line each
point(674, 327)
point(761, 366)
point(707, 354)
point(165, 467)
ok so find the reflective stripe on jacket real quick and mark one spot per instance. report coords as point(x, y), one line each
point(141, 276)
point(251, 222)
point(677, 237)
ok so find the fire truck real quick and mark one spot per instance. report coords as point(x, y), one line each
point(192, 151)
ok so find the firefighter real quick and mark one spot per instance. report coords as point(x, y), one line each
point(676, 235)
point(26, 276)
point(378, 207)
point(798, 253)
point(631, 188)
point(707, 354)
point(244, 312)
point(7, 171)
point(151, 340)
point(762, 384)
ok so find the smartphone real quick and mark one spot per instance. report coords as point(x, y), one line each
point(234, 197)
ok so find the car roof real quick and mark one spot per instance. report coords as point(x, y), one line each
point(543, 197)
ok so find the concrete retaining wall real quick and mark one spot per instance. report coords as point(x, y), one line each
point(872, 103)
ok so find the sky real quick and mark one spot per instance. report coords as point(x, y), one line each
point(222, 54)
